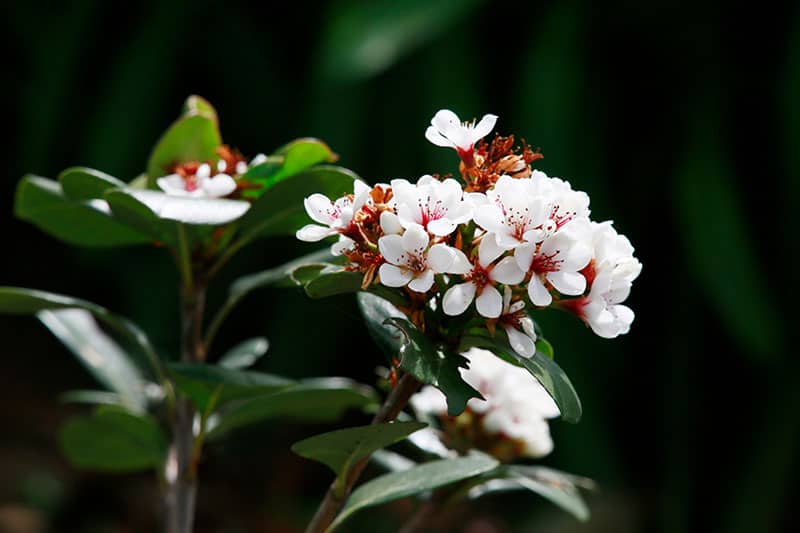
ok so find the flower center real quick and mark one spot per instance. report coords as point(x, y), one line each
point(544, 263)
point(431, 210)
point(478, 276)
point(559, 219)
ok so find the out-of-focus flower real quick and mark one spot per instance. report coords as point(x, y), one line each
point(199, 184)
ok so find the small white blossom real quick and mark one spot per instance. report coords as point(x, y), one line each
point(410, 262)
point(564, 203)
point(336, 216)
point(480, 279)
point(437, 206)
point(448, 131)
point(518, 326)
point(200, 185)
point(514, 213)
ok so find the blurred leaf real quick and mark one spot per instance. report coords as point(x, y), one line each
point(279, 276)
point(41, 202)
point(557, 487)
point(21, 301)
point(424, 477)
point(280, 210)
point(92, 397)
point(340, 449)
point(245, 354)
point(432, 365)
point(98, 353)
point(544, 347)
point(364, 39)
point(312, 400)
point(82, 183)
point(113, 440)
point(541, 366)
point(391, 461)
point(157, 211)
point(193, 137)
point(201, 382)
point(294, 157)
point(375, 311)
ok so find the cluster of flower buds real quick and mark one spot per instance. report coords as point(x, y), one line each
point(504, 237)
point(209, 179)
point(510, 423)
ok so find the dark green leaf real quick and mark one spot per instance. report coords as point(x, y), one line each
point(201, 382)
point(433, 365)
point(113, 440)
point(331, 281)
point(294, 157)
point(376, 311)
point(193, 137)
point(314, 400)
point(340, 449)
point(82, 183)
point(245, 354)
point(541, 366)
point(41, 202)
point(424, 477)
point(278, 276)
point(99, 354)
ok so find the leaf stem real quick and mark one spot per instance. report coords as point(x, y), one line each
point(339, 491)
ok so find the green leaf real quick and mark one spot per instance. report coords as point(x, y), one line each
point(424, 477)
point(279, 276)
point(541, 366)
point(82, 183)
point(42, 202)
point(376, 311)
point(92, 397)
point(280, 210)
point(433, 365)
point(290, 159)
point(21, 301)
point(113, 440)
point(245, 353)
point(544, 347)
point(313, 400)
point(329, 281)
point(99, 354)
point(340, 449)
point(201, 382)
point(193, 137)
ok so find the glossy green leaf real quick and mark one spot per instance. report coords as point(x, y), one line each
point(330, 281)
point(424, 477)
point(313, 400)
point(42, 202)
point(541, 366)
point(193, 137)
point(279, 276)
point(99, 354)
point(21, 301)
point(82, 183)
point(433, 365)
point(245, 354)
point(280, 210)
point(340, 449)
point(113, 440)
point(290, 159)
point(376, 311)
point(204, 383)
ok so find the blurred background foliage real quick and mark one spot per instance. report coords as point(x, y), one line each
point(682, 124)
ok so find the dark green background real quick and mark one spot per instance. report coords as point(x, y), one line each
point(682, 123)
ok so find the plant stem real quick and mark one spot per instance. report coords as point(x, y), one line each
point(337, 495)
point(181, 466)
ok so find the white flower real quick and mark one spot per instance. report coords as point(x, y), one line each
point(447, 130)
point(557, 260)
point(615, 268)
point(437, 206)
point(516, 406)
point(480, 280)
point(410, 262)
point(199, 185)
point(518, 326)
point(514, 213)
point(336, 216)
point(564, 203)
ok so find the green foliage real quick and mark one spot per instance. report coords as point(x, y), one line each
point(113, 440)
point(342, 448)
point(424, 477)
point(81, 183)
point(245, 354)
point(289, 160)
point(375, 311)
point(280, 276)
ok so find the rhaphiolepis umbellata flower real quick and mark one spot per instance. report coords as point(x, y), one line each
point(208, 179)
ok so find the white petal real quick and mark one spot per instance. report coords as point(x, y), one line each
point(488, 251)
point(433, 135)
point(344, 243)
point(483, 127)
point(457, 298)
point(391, 247)
point(507, 300)
point(441, 258)
point(538, 293)
point(523, 254)
point(211, 211)
point(392, 276)
point(203, 171)
point(461, 265)
point(521, 343)
point(218, 186)
point(241, 167)
point(222, 165)
point(507, 271)
point(314, 233)
point(489, 217)
point(415, 239)
point(172, 184)
point(258, 159)
point(489, 302)
point(422, 282)
point(409, 214)
point(445, 120)
point(319, 207)
point(569, 283)
point(390, 224)
point(441, 227)
point(506, 241)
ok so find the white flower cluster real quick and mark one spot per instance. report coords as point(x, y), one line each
point(515, 407)
point(204, 181)
point(498, 242)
